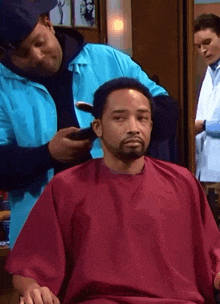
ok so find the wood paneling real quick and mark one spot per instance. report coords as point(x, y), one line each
point(163, 45)
point(155, 26)
point(189, 84)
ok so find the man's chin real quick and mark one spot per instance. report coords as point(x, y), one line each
point(41, 73)
point(211, 60)
point(131, 155)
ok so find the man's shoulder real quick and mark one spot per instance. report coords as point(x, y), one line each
point(170, 169)
point(103, 48)
point(5, 73)
point(82, 172)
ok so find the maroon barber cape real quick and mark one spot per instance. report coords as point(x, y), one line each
point(96, 236)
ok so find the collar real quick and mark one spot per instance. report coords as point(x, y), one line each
point(214, 65)
point(71, 42)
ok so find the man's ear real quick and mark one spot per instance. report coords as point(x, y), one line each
point(46, 21)
point(97, 127)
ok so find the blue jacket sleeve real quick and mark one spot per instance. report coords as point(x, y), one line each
point(165, 119)
point(21, 166)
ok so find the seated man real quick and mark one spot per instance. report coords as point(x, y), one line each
point(124, 228)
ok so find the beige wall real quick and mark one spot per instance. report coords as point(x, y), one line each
point(213, 8)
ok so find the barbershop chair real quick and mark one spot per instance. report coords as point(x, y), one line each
point(217, 297)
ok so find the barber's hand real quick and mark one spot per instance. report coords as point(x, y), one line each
point(66, 150)
point(199, 126)
point(39, 295)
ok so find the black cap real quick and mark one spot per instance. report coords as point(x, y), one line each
point(18, 19)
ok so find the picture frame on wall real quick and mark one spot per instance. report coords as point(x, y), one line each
point(84, 13)
point(61, 15)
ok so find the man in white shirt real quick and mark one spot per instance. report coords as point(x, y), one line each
point(207, 123)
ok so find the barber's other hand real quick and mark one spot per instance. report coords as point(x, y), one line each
point(39, 295)
point(199, 126)
point(66, 150)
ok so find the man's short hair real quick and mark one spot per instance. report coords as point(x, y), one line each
point(101, 94)
point(205, 21)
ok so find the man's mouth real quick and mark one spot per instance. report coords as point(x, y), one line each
point(209, 56)
point(133, 141)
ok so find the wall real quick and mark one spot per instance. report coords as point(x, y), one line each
point(163, 45)
point(205, 1)
point(156, 40)
point(119, 26)
point(117, 31)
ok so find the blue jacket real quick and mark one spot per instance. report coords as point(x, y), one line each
point(28, 112)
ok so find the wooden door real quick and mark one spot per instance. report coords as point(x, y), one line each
point(163, 44)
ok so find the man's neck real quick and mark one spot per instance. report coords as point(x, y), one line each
point(124, 167)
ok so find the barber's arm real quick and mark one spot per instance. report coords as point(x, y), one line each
point(31, 292)
point(166, 110)
point(64, 149)
point(165, 117)
point(20, 166)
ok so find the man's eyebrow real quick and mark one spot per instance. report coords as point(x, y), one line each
point(206, 39)
point(203, 41)
point(120, 111)
point(144, 111)
point(126, 110)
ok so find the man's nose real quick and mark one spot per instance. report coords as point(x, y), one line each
point(133, 126)
point(203, 49)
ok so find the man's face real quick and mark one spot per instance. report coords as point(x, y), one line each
point(207, 43)
point(40, 54)
point(126, 124)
